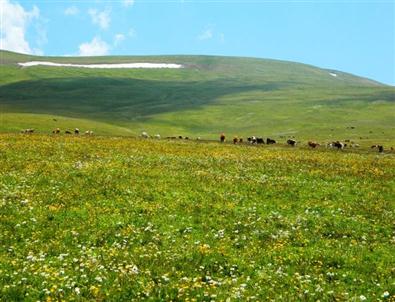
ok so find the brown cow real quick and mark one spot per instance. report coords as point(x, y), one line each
point(222, 138)
point(313, 144)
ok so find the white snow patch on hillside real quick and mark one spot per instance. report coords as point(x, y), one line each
point(333, 74)
point(103, 66)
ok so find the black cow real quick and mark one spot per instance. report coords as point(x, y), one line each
point(260, 140)
point(291, 142)
point(270, 141)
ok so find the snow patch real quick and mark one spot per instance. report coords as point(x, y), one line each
point(103, 66)
point(333, 74)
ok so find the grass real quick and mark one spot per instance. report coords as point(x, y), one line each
point(239, 96)
point(107, 218)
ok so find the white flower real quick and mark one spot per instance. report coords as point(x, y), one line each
point(386, 294)
point(165, 278)
point(25, 201)
point(77, 290)
point(99, 279)
point(362, 298)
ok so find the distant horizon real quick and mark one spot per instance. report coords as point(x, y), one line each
point(352, 36)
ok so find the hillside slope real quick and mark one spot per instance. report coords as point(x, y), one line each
point(241, 96)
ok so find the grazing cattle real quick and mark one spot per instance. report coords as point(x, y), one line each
point(67, 132)
point(291, 142)
point(157, 136)
point(56, 131)
point(354, 145)
point(88, 132)
point(222, 137)
point(186, 137)
point(235, 140)
point(270, 141)
point(198, 138)
point(76, 131)
point(379, 147)
point(240, 140)
point(180, 137)
point(252, 140)
point(338, 145)
point(313, 144)
point(260, 140)
point(144, 134)
point(171, 137)
point(27, 131)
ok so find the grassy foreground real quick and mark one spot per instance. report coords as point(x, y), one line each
point(121, 219)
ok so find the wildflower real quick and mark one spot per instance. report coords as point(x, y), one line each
point(165, 278)
point(386, 295)
point(99, 279)
point(77, 290)
point(362, 298)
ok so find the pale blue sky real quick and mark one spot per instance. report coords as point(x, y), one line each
point(352, 36)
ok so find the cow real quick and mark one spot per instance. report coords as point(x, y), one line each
point(235, 140)
point(56, 131)
point(222, 138)
point(379, 147)
point(186, 137)
point(260, 140)
point(157, 136)
point(291, 142)
point(144, 134)
point(76, 131)
point(270, 141)
point(27, 131)
point(313, 144)
point(180, 136)
point(252, 140)
point(67, 132)
point(338, 145)
point(88, 132)
point(240, 140)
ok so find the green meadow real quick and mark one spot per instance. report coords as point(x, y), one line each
point(238, 96)
point(114, 217)
point(123, 219)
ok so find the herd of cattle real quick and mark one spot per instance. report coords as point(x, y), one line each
point(58, 131)
point(253, 140)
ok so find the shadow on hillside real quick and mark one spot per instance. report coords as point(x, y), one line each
point(121, 99)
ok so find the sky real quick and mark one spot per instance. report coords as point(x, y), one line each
point(351, 36)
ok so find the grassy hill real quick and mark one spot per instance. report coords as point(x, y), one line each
point(238, 96)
